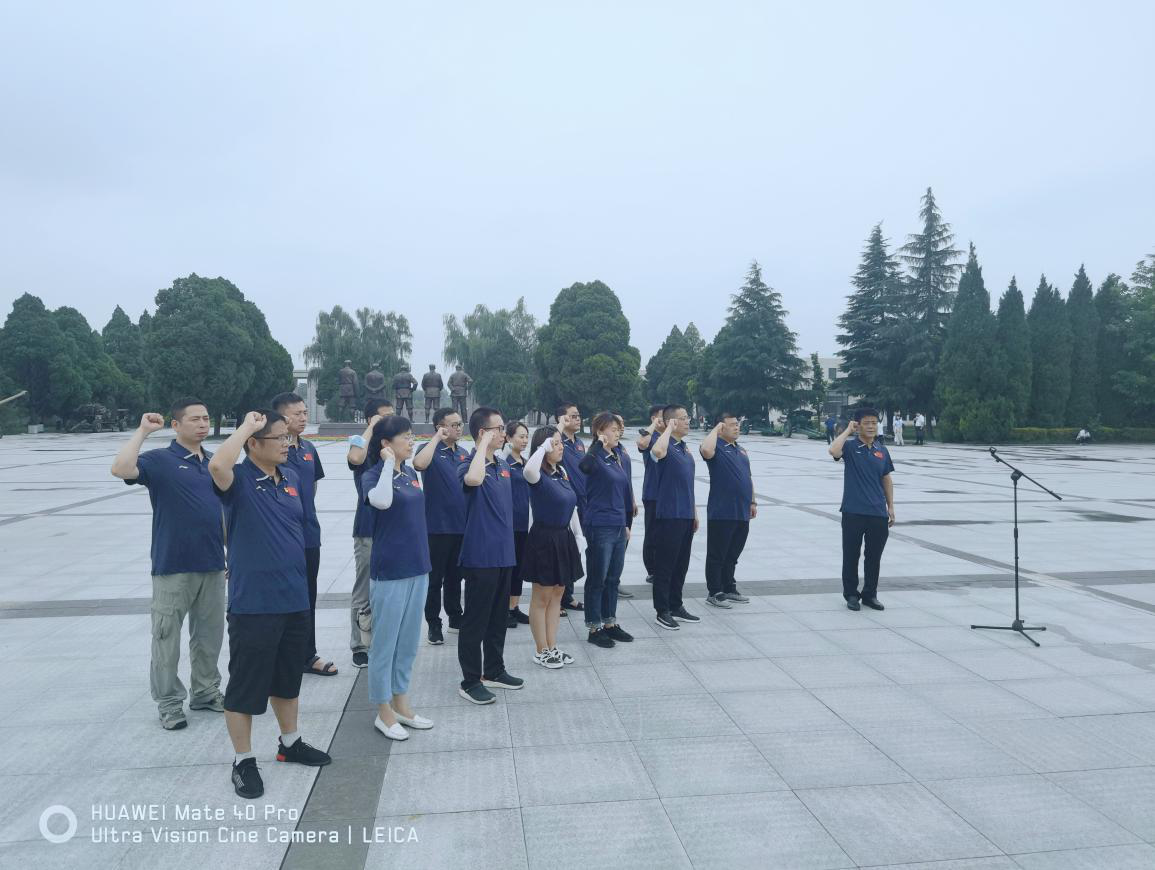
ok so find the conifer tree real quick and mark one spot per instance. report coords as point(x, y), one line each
point(1082, 405)
point(1050, 356)
point(1112, 307)
point(1014, 339)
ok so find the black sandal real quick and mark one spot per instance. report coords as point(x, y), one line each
point(329, 669)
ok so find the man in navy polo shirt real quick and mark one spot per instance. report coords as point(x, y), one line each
point(729, 509)
point(360, 460)
point(569, 422)
point(439, 462)
point(676, 518)
point(269, 620)
point(304, 459)
point(867, 505)
point(188, 557)
point(487, 557)
point(650, 489)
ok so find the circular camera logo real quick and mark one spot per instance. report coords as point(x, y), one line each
point(52, 812)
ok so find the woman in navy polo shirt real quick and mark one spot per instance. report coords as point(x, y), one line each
point(517, 436)
point(552, 554)
point(399, 572)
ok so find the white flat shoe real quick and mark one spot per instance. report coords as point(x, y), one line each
point(418, 722)
point(393, 732)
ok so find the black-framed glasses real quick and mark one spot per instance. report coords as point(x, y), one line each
point(500, 428)
point(284, 439)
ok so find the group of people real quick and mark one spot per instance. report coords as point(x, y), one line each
point(517, 508)
point(834, 428)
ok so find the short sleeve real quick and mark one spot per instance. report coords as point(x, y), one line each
point(369, 480)
point(227, 496)
point(318, 468)
point(145, 466)
point(889, 465)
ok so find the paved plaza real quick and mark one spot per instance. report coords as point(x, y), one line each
point(786, 733)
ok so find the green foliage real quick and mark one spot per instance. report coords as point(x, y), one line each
point(1082, 404)
point(1014, 340)
point(1066, 435)
point(671, 373)
point(1050, 356)
point(40, 358)
point(1113, 307)
point(583, 353)
point(124, 343)
point(1137, 380)
point(818, 385)
point(496, 348)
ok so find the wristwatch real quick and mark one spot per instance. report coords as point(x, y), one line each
point(356, 441)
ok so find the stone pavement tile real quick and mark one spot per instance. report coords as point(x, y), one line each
point(634, 834)
point(823, 671)
point(741, 675)
point(1126, 796)
point(832, 620)
point(286, 786)
point(544, 686)
point(260, 855)
point(575, 773)
point(942, 751)
point(1053, 745)
point(761, 623)
point(1000, 863)
point(808, 602)
point(772, 712)
point(906, 668)
point(56, 708)
point(446, 782)
point(977, 700)
point(1028, 814)
point(565, 723)
point(894, 824)
point(464, 726)
point(1140, 687)
point(1132, 732)
point(753, 830)
point(878, 706)
point(1072, 696)
point(859, 641)
point(1089, 661)
point(662, 678)
point(656, 717)
point(492, 840)
point(1134, 857)
point(642, 650)
point(347, 789)
point(905, 617)
point(77, 852)
point(712, 647)
point(692, 766)
point(1003, 664)
point(794, 643)
point(821, 759)
point(942, 639)
point(50, 748)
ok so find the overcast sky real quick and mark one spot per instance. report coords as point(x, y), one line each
point(428, 157)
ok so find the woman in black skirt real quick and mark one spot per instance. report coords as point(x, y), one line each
point(552, 554)
point(517, 437)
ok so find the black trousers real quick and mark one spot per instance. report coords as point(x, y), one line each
point(650, 541)
point(725, 540)
point(855, 528)
point(674, 539)
point(444, 575)
point(918, 435)
point(515, 584)
point(312, 570)
point(483, 625)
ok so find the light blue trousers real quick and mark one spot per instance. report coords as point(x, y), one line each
point(398, 606)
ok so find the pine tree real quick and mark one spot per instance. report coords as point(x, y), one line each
point(123, 342)
point(1082, 405)
point(1050, 356)
point(972, 378)
point(931, 261)
point(818, 386)
point(1014, 339)
point(1137, 380)
point(1113, 309)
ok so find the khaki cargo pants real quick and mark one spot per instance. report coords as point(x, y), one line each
point(200, 596)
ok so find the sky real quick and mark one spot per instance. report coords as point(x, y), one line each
point(426, 158)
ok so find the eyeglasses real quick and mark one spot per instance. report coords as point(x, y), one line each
point(493, 429)
point(456, 425)
point(284, 439)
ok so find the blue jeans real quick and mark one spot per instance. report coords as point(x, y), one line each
point(397, 616)
point(605, 557)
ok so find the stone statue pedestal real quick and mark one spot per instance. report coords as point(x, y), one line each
point(345, 430)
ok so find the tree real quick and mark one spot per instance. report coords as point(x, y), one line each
point(123, 342)
point(38, 358)
point(752, 365)
point(1082, 405)
point(583, 353)
point(1014, 340)
point(496, 348)
point(1137, 380)
point(1113, 308)
point(1050, 356)
point(818, 385)
point(972, 379)
point(931, 261)
point(107, 384)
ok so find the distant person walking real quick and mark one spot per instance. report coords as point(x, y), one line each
point(919, 428)
point(830, 422)
point(898, 424)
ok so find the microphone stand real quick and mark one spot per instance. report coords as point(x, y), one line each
point(1017, 625)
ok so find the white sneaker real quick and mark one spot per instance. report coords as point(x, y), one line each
point(564, 657)
point(547, 659)
point(419, 722)
point(393, 732)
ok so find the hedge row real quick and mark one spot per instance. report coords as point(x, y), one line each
point(1067, 435)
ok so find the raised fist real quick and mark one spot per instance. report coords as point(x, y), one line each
point(387, 454)
point(376, 419)
point(254, 421)
point(852, 426)
point(151, 422)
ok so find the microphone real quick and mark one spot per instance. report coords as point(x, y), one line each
point(993, 451)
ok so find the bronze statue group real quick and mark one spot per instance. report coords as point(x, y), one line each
point(439, 529)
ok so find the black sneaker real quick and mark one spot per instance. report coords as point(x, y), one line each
point(302, 753)
point(873, 603)
point(247, 782)
point(625, 593)
point(436, 638)
point(664, 620)
point(598, 637)
point(683, 615)
point(360, 659)
point(504, 680)
point(852, 604)
point(511, 622)
point(618, 633)
point(520, 615)
point(477, 694)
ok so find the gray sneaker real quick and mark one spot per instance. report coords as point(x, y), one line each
point(718, 600)
point(173, 721)
point(625, 593)
point(735, 596)
point(216, 704)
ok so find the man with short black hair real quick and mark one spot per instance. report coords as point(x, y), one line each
point(729, 510)
point(650, 489)
point(569, 423)
point(304, 459)
point(867, 505)
point(269, 619)
point(676, 518)
point(188, 557)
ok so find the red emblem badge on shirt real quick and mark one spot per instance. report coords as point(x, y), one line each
point(878, 453)
point(416, 483)
point(504, 473)
point(308, 457)
point(291, 490)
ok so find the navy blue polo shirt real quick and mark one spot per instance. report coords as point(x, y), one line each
point(187, 524)
point(304, 460)
point(554, 499)
point(520, 496)
point(607, 487)
point(628, 465)
point(444, 500)
point(363, 518)
point(574, 452)
point(731, 486)
point(649, 474)
point(488, 541)
point(265, 521)
point(676, 483)
point(863, 470)
point(400, 542)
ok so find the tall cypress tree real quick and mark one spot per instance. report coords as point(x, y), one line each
point(972, 378)
point(1014, 340)
point(932, 262)
point(1050, 356)
point(1082, 405)
point(1112, 308)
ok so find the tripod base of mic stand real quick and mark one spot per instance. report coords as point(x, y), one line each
point(1018, 626)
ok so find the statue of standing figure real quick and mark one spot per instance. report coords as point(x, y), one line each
point(375, 384)
point(346, 391)
point(403, 386)
point(432, 385)
point(459, 384)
